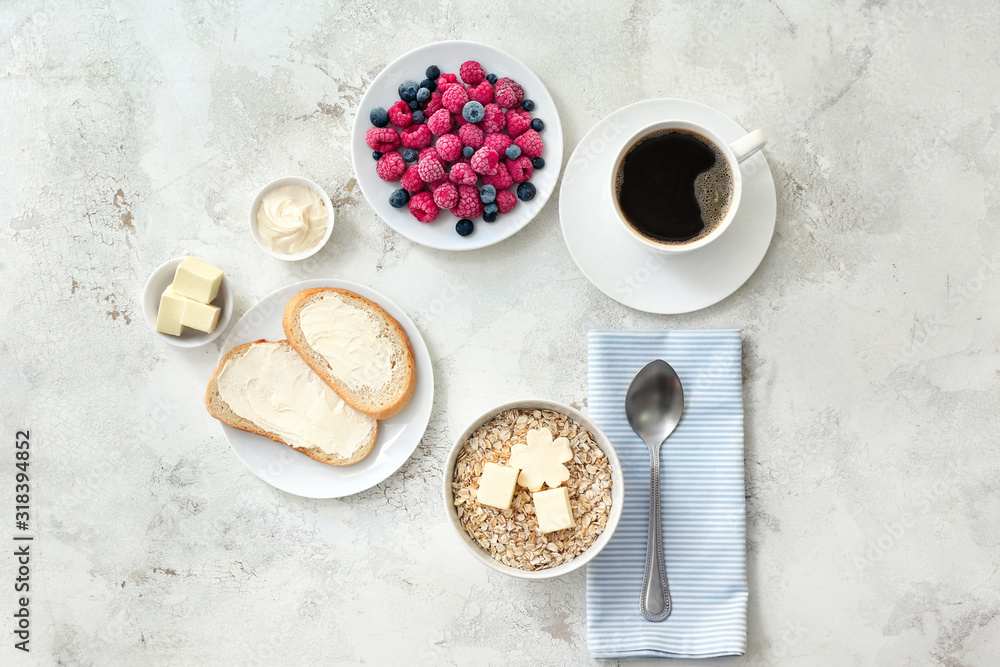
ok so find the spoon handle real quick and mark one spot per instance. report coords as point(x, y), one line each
point(655, 601)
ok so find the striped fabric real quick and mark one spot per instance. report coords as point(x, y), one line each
point(702, 496)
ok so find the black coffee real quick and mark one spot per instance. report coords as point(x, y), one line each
point(674, 186)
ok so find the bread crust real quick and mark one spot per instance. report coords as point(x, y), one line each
point(213, 400)
point(301, 345)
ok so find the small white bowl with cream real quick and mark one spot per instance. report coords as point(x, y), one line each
point(291, 218)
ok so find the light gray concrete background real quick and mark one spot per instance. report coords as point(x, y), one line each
point(135, 132)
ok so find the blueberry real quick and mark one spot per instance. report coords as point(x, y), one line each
point(473, 111)
point(408, 91)
point(538, 163)
point(423, 94)
point(537, 125)
point(468, 151)
point(398, 198)
point(487, 194)
point(464, 227)
point(414, 105)
point(433, 72)
point(429, 84)
point(527, 105)
point(376, 155)
point(410, 155)
point(490, 212)
point(525, 191)
point(379, 117)
point(513, 152)
point(418, 117)
point(492, 78)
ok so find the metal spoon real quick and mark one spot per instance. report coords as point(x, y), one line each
point(653, 405)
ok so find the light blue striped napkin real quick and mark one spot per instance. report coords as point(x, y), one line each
point(702, 495)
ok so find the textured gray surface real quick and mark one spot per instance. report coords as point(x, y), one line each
point(133, 133)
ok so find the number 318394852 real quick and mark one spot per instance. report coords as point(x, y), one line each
point(22, 489)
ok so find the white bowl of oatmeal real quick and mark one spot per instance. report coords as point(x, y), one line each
point(510, 541)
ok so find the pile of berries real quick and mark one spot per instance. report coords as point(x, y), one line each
point(465, 143)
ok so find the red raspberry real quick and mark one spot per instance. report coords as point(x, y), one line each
point(500, 180)
point(506, 200)
point(449, 148)
point(530, 144)
point(520, 169)
point(454, 99)
point(484, 161)
point(498, 141)
point(483, 93)
point(518, 122)
point(468, 205)
point(493, 121)
point(416, 136)
point(390, 167)
point(430, 168)
point(432, 152)
point(446, 195)
point(400, 114)
point(446, 78)
point(433, 105)
point(471, 135)
point(444, 86)
point(440, 122)
point(422, 206)
point(382, 139)
point(471, 72)
point(462, 174)
point(509, 93)
point(460, 121)
point(411, 180)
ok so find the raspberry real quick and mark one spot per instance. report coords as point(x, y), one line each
point(462, 174)
point(400, 114)
point(484, 161)
point(436, 184)
point(422, 206)
point(483, 93)
point(497, 141)
point(446, 195)
point(494, 120)
point(454, 99)
point(411, 179)
point(520, 169)
point(449, 148)
point(500, 180)
point(506, 200)
point(471, 72)
point(518, 122)
point(446, 78)
point(444, 86)
point(460, 121)
point(416, 136)
point(530, 144)
point(468, 205)
point(390, 167)
point(382, 139)
point(440, 122)
point(471, 135)
point(508, 92)
point(430, 168)
point(433, 105)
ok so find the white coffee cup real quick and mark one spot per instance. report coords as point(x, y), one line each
point(734, 152)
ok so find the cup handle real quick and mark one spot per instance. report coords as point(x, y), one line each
point(748, 145)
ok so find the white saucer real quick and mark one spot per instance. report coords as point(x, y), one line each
point(642, 278)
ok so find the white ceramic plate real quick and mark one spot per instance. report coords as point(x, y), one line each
point(623, 268)
point(383, 93)
point(288, 470)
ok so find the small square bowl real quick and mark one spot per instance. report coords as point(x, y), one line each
point(158, 281)
point(291, 180)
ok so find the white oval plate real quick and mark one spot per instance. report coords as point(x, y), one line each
point(637, 276)
point(398, 436)
point(448, 56)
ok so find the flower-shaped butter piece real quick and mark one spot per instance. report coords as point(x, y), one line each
point(541, 460)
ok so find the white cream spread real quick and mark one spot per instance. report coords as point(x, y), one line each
point(272, 386)
point(291, 219)
point(348, 338)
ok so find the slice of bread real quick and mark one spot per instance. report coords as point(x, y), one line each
point(381, 401)
point(222, 411)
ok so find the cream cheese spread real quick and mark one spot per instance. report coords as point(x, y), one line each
point(292, 219)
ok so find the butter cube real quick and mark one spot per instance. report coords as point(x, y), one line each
point(168, 316)
point(553, 510)
point(496, 486)
point(197, 279)
point(200, 316)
